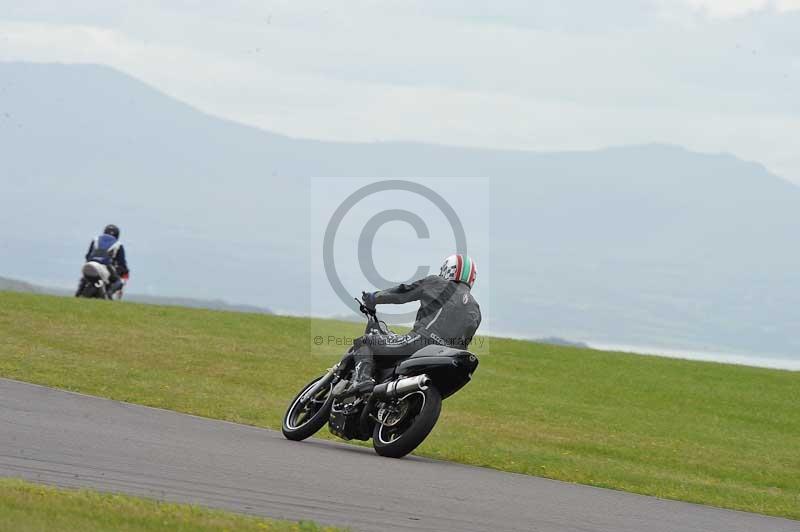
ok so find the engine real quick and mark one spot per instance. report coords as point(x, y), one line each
point(345, 419)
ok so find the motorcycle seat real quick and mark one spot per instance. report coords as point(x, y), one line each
point(434, 350)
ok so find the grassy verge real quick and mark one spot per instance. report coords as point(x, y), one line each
point(709, 433)
point(26, 507)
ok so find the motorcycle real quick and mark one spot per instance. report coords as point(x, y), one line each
point(399, 412)
point(96, 281)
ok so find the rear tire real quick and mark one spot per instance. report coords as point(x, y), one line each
point(314, 414)
point(409, 432)
point(89, 291)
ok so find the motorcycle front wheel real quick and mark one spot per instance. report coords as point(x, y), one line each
point(303, 419)
point(405, 423)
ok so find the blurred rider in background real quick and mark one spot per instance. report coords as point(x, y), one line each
point(109, 251)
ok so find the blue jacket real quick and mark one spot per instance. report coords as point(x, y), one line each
point(107, 250)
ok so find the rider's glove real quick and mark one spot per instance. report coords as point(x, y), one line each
point(369, 299)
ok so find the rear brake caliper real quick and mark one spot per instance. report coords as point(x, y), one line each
point(391, 414)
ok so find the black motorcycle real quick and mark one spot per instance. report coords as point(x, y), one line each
point(402, 409)
point(96, 281)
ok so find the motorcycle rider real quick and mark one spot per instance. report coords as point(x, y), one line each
point(109, 251)
point(448, 315)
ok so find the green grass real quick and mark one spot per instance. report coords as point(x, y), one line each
point(26, 507)
point(710, 433)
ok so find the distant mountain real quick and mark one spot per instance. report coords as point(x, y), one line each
point(643, 245)
point(212, 304)
point(551, 340)
point(12, 285)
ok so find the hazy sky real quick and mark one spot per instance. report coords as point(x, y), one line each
point(711, 75)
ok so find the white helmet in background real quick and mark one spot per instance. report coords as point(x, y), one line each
point(459, 268)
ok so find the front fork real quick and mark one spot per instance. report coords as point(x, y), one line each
point(311, 392)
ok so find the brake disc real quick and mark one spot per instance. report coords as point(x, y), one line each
point(391, 416)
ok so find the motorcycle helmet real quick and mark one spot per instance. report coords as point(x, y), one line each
point(459, 268)
point(112, 230)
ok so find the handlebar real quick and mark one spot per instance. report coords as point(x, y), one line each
point(365, 309)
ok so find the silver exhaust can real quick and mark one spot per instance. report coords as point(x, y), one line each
point(394, 389)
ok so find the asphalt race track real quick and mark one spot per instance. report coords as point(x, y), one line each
point(69, 439)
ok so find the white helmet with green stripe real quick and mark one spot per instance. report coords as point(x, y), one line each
point(459, 268)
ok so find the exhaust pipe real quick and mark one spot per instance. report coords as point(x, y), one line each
point(394, 389)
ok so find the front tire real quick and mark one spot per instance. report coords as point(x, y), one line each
point(402, 432)
point(303, 420)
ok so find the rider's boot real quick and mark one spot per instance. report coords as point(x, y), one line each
point(363, 381)
point(115, 287)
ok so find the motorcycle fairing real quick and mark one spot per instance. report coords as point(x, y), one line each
point(94, 270)
point(450, 368)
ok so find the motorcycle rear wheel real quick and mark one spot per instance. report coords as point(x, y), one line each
point(303, 420)
point(402, 430)
point(90, 291)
